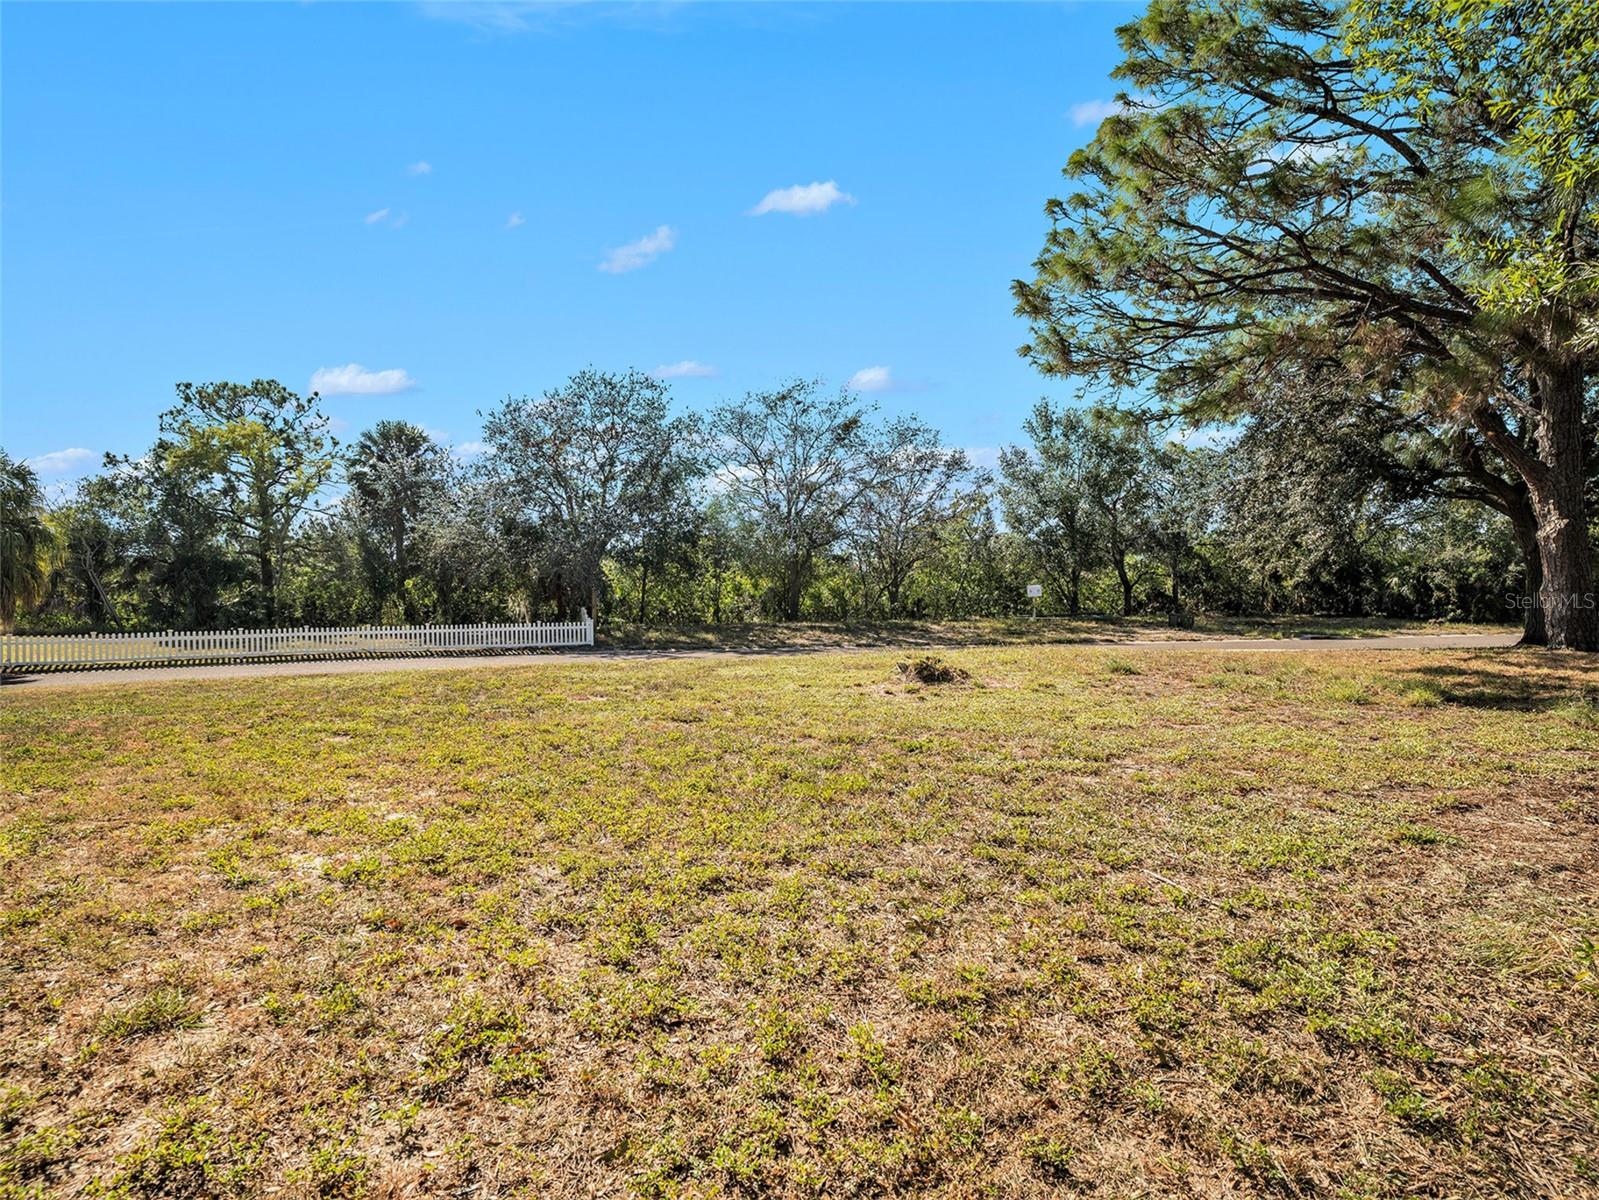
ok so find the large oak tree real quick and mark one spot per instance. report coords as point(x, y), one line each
point(1390, 184)
point(793, 463)
point(588, 463)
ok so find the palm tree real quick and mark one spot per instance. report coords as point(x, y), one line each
point(26, 541)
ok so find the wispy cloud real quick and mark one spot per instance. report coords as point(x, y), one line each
point(687, 369)
point(1092, 112)
point(468, 449)
point(487, 16)
point(58, 462)
point(515, 220)
point(541, 16)
point(985, 458)
point(1205, 437)
point(640, 253)
point(420, 168)
point(802, 200)
point(1315, 152)
point(372, 218)
point(872, 379)
point(353, 379)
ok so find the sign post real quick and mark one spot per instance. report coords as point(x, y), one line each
point(1034, 591)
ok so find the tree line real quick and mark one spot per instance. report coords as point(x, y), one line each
point(787, 504)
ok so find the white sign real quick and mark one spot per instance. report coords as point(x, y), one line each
point(1034, 591)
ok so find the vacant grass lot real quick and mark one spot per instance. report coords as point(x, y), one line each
point(1099, 922)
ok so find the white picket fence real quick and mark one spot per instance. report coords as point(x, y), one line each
point(29, 652)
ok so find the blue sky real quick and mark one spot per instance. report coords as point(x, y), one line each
point(472, 200)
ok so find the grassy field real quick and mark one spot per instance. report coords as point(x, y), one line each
point(800, 635)
point(1102, 922)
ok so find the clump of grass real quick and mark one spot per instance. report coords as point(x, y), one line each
point(873, 1057)
point(162, 1011)
point(1422, 695)
point(335, 1170)
point(929, 668)
point(1582, 711)
point(779, 1034)
point(1585, 973)
point(1347, 691)
point(1404, 1101)
point(1410, 834)
point(1052, 1157)
point(22, 838)
point(1120, 666)
point(187, 1157)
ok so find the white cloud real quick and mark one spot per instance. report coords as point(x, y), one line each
point(802, 200)
point(514, 220)
point(1092, 112)
point(872, 379)
point(469, 450)
point(1315, 152)
point(59, 461)
point(353, 379)
point(511, 17)
point(420, 168)
point(983, 457)
point(1206, 437)
point(372, 218)
point(486, 17)
point(687, 369)
point(640, 253)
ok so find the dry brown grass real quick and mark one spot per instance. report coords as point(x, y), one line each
point(1180, 924)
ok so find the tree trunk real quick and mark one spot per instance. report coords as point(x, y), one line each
point(1119, 555)
point(1524, 523)
point(793, 587)
point(1556, 487)
point(444, 596)
point(402, 576)
point(86, 557)
point(269, 586)
point(1074, 598)
point(1176, 596)
point(643, 591)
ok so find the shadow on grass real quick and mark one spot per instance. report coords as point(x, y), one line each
point(800, 636)
point(914, 634)
point(1515, 680)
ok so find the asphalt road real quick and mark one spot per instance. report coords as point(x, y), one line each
point(91, 677)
